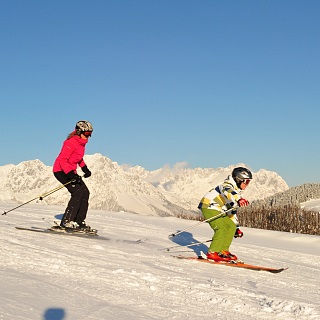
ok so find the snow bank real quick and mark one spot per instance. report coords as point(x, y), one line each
point(51, 277)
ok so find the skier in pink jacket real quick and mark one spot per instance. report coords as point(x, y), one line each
point(65, 170)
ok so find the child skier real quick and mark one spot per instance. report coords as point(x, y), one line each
point(224, 197)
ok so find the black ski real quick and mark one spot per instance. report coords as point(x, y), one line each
point(65, 233)
point(78, 234)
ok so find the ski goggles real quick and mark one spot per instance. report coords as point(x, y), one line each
point(87, 133)
point(246, 181)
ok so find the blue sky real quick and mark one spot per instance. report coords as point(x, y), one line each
point(211, 83)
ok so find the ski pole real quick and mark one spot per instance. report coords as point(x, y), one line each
point(39, 197)
point(210, 219)
point(187, 245)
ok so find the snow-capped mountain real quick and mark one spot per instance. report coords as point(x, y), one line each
point(185, 187)
point(165, 192)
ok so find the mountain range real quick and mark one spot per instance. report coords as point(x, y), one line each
point(164, 192)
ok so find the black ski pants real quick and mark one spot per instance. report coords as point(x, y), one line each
point(78, 204)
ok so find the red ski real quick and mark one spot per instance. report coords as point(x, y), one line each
point(236, 265)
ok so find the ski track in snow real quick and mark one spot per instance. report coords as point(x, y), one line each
point(47, 275)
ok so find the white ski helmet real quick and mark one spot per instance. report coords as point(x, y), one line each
point(83, 126)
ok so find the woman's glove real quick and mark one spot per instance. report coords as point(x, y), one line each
point(87, 172)
point(74, 177)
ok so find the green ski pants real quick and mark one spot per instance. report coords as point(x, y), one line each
point(224, 230)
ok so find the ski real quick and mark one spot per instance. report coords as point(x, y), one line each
point(64, 232)
point(78, 234)
point(236, 265)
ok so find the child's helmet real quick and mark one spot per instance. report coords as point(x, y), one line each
point(240, 174)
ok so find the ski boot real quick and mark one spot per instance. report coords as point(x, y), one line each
point(83, 227)
point(230, 255)
point(61, 227)
point(218, 257)
point(234, 258)
point(65, 226)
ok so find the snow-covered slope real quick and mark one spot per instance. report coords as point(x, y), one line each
point(52, 277)
point(163, 192)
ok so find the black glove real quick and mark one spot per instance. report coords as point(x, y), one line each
point(74, 177)
point(87, 172)
point(238, 234)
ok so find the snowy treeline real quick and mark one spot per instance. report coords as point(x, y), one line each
point(283, 212)
point(290, 218)
point(294, 195)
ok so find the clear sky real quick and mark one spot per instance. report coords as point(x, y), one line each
point(208, 82)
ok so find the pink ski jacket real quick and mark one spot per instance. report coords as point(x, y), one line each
point(71, 155)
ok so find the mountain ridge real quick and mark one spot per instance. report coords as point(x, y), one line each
point(164, 192)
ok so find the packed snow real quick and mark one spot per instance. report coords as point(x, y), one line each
point(133, 275)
